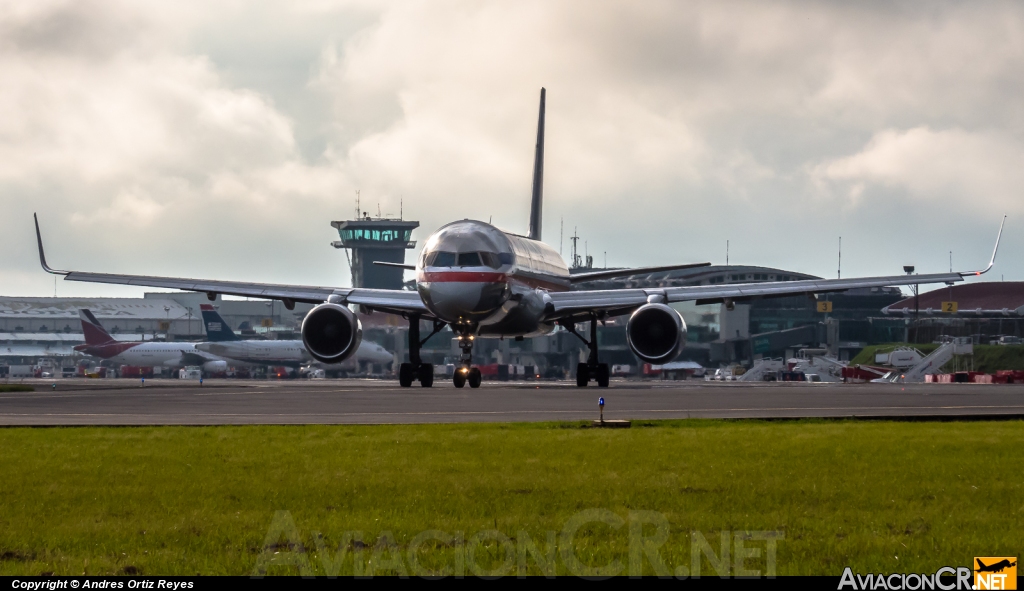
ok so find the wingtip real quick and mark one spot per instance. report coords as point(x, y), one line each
point(42, 253)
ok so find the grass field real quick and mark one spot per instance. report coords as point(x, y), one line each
point(877, 496)
point(987, 358)
point(16, 388)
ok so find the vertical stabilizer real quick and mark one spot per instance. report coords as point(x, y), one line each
point(94, 332)
point(537, 202)
point(216, 328)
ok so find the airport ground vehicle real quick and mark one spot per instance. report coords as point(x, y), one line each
point(190, 373)
point(484, 282)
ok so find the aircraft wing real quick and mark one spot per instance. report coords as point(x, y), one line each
point(580, 304)
point(608, 274)
point(570, 303)
point(385, 300)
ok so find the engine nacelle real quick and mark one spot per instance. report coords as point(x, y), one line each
point(331, 333)
point(656, 333)
point(215, 366)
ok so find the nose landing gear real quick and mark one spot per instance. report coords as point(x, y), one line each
point(592, 369)
point(464, 375)
point(465, 372)
point(416, 369)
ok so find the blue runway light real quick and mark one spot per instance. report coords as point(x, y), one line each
point(600, 401)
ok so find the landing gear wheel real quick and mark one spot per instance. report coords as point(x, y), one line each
point(474, 377)
point(426, 375)
point(405, 375)
point(459, 379)
point(582, 375)
point(602, 375)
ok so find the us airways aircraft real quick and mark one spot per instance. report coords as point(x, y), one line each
point(223, 342)
point(485, 282)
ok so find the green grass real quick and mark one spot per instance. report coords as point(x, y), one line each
point(987, 358)
point(16, 388)
point(877, 496)
point(867, 354)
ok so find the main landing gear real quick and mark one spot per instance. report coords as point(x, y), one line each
point(465, 373)
point(416, 369)
point(591, 370)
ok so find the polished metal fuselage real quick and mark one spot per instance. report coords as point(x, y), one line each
point(506, 297)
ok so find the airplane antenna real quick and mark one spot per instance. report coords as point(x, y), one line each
point(951, 261)
point(726, 253)
point(537, 200)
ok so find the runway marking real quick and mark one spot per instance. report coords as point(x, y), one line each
point(513, 412)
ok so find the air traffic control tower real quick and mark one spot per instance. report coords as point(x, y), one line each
point(375, 239)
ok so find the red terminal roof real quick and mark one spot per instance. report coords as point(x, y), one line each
point(987, 296)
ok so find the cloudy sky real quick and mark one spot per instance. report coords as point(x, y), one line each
point(218, 140)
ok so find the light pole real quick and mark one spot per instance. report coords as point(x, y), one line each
point(909, 270)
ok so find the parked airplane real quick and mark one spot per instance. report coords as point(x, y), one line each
point(484, 282)
point(223, 342)
point(99, 343)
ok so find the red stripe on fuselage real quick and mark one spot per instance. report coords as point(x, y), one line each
point(461, 277)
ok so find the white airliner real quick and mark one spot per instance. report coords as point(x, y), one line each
point(223, 342)
point(99, 343)
point(484, 282)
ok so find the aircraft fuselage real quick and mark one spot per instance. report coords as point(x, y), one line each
point(484, 281)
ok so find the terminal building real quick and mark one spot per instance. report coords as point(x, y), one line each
point(984, 311)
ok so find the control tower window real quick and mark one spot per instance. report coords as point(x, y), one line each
point(469, 259)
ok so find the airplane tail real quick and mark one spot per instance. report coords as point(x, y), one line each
point(95, 334)
point(216, 328)
point(537, 202)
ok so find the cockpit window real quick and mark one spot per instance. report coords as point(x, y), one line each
point(442, 259)
point(495, 260)
point(490, 259)
point(469, 259)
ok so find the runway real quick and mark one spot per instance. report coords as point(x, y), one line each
point(233, 402)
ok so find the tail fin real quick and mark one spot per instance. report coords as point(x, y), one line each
point(95, 334)
point(537, 203)
point(216, 328)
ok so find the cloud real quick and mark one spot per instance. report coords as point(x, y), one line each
point(950, 169)
point(219, 139)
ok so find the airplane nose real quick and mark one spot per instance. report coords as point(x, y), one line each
point(455, 300)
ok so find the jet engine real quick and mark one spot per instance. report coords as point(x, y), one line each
point(656, 333)
point(215, 366)
point(331, 333)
